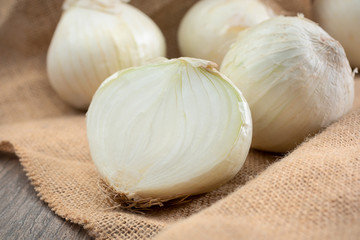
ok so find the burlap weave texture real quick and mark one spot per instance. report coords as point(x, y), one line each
point(312, 193)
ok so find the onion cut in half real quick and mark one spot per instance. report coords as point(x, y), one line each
point(167, 130)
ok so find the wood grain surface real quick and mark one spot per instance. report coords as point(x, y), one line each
point(22, 214)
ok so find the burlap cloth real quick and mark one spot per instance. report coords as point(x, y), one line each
point(312, 193)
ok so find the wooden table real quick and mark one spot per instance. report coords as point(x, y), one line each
point(22, 214)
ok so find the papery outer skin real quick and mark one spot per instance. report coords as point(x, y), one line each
point(183, 140)
point(89, 45)
point(341, 19)
point(295, 77)
point(211, 26)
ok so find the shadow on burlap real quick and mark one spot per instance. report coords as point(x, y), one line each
point(312, 193)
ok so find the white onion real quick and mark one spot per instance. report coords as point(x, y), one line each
point(94, 39)
point(295, 77)
point(341, 19)
point(168, 130)
point(211, 26)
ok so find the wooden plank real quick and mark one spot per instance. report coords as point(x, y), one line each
point(22, 214)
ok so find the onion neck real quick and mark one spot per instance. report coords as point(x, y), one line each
point(111, 6)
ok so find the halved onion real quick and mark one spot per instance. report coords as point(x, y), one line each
point(167, 130)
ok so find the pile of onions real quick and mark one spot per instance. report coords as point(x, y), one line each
point(172, 128)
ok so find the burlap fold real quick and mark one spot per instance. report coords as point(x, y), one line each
point(313, 193)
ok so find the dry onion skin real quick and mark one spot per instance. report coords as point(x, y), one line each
point(211, 26)
point(341, 19)
point(295, 77)
point(93, 40)
point(167, 130)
